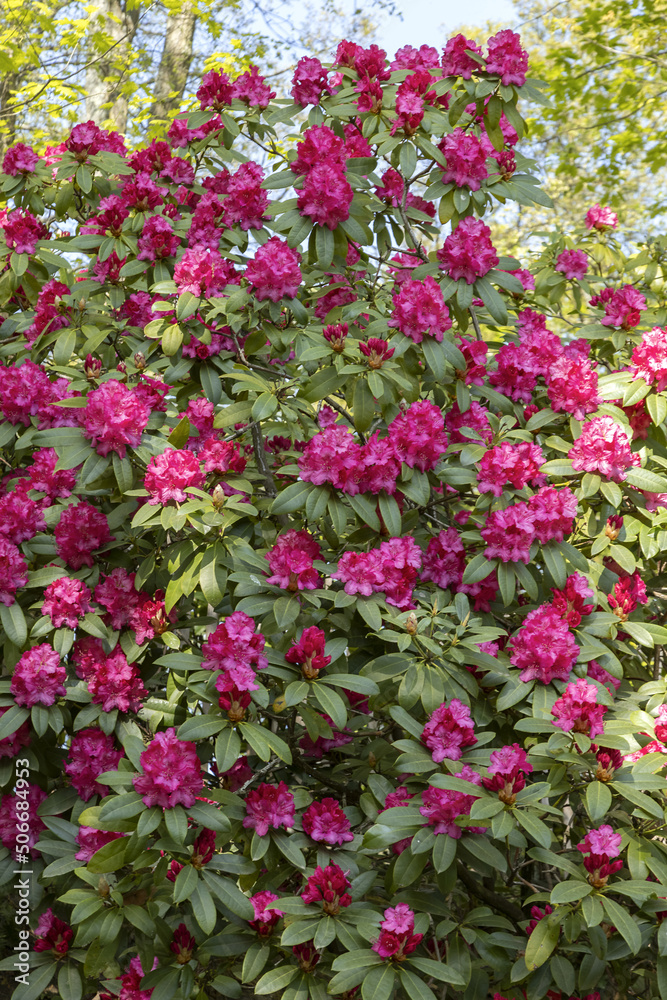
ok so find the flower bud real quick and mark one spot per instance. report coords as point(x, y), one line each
point(140, 361)
point(218, 497)
point(92, 367)
point(613, 527)
point(411, 624)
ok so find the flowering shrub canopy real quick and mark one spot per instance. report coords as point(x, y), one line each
point(331, 554)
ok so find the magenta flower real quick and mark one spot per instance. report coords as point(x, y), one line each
point(38, 677)
point(329, 886)
point(577, 711)
point(420, 310)
point(573, 264)
point(397, 938)
point(235, 649)
point(265, 920)
point(114, 418)
point(449, 730)
point(275, 272)
point(326, 822)
point(468, 252)
point(269, 807)
point(601, 218)
point(171, 772)
point(544, 649)
point(604, 448)
point(509, 533)
point(442, 807)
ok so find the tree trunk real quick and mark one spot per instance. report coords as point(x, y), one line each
point(110, 62)
point(175, 61)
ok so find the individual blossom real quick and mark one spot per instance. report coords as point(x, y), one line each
point(275, 273)
point(329, 886)
point(66, 601)
point(577, 711)
point(38, 677)
point(203, 848)
point(215, 91)
point(603, 448)
point(265, 920)
point(308, 653)
point(543, 649)
point(465, 158)
point(117, 684)
point(468, 252)
point(23, 231)
point(269, 807)
point(455, 58)
point(627, 593)
point(171, 772)
point(113, 418)
point(513, 464)
point(149, 618)
point(573, 264)
point(117, 594)
point(553, 512)
point(291, 561)
point(309, 81)
point(251, 88)
point(87, 138)
point(52, 934)
point(602, 218)
point(13, 572)
point(19, 159)
point(10, 746)
point(90, 841)
point(91, 753)
point(157, 240)
point(444, 560)
point(507, 772)
point(622, 306)
point(442, 807)
point(335, 334)
point(613, 527)
point(81, 530)
point(509, 533)
point(203, 272)
point(420, 310)
point(235, 649)
point(507, 59)
point(574, 601)
point(170, 475)
point(418, 435)
point(326, 823)
point(449, 731)
point(182, 945)
point(397, 938)
point(377, 351)
point(601, 846)
point(649, 358)
point(572, 385)
point(326, 196)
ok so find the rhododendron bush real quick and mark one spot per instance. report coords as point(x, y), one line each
point(331, 577)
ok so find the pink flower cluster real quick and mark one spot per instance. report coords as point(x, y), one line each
point(274, 272)
point(601, 846)
point(572, 385)
point(66, 601)
point(114, 683)
point(170, 475)
point(391, 569)
point(466, 159)
point(599, 217)
point(171, 772)
point(308, 652)
point(510, 464)
point(309, 81)
point(326, 823)
point(269, 807)
point(291, 561)
point(52, 934)
point(91, 753)
point(573, 264)
point(397, 938)
point(547, 516)
point(29, 802)
point(604, 448)
point(81, 530)
point(622, 306)
point(543, 649)
point(627, 593)
point(571, 602)
point(38, 677)
point(329, 886)
point(649, 358)
point(236, 650)
point(468, 252)
point(420, 310)
point(507, 772)
point(442, 806)
point(90, 841)
point(449, 730)
point(13, 572)
point(114, 417)
point(577, 711)
point(265, 920)
point(326, 195)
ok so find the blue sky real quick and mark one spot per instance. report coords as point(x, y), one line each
point(433, 22)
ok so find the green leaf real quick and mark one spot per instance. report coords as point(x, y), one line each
point(275, 980)
point(121, 807)
point(365, 510)
point(363, 405)
point(391, 514)
point(534, 827)
point(14, 623)
point(624, 923)
point(444, 852)
point(414, 987)
point(227, 749)
point(598, 801)
point(200, 727)
point(38, 981)
point(185, 883)
point(109, 858)
point(291, 499)
point(331, 703)
point(378, 984)
point(203, 907)
point(492, 300)
point(438, 970)
point(542, 941)
point(645, 480)
point(229, 894)
point(180, 434)
point(570, 892)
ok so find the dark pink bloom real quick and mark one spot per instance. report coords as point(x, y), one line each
point(420, 310)
point(319, 144)
point(66, 601)
point(38, 677)
point(275, 271)
point(182, 945)
point(601, 218)
point(577, 711)
point(449, 730)
point(456, 61)
point(204, 272)
point(442, 807)
point(251, 88)
point(572, 263)
point(326, 822)
point(81, 530)
point(91, 753)
point(52, 934)
point(215, 90)
point(329, 886)
point(246, 200)
point(236, 649)
point(114, 417)
point(627, 594)
point(309, 81)
point(408, 57)
point(170, 475)
point(117, 684)
point(265, 920)
point(13, 572)
point(544, 649)
point(507, 59)
point(157, 240)
point(19, 159)
point(572, 385)
point(649, 358)
point(444, 559)
point(390, 569)
point(474, 352)
point(418, 435)
point(10, 746)
point(149, 618)
point(466, 159)
point(515, 375)
point(116, 593)
point(603, 447)
point(269, 807)
point(507, 770)
point(510, 464)
point(397, 938)
point(509, 533)
point(571, 602)
point(598, 673)
point(553, 512)
point(291, 561)
point(326, 196)
point(90, 841)
point(23, 231)
point(10, 807)
point(622, 306)
point(172, 772)
point(308, 653)
point(468, 252)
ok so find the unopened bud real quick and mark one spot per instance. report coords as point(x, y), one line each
point(103, 887)
point(218, 497)
point(92, 367)
point(82, 305)
point(140, 361)
point(411, 624)
point(613, 527)
point(121, 367)
point(372, 759)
